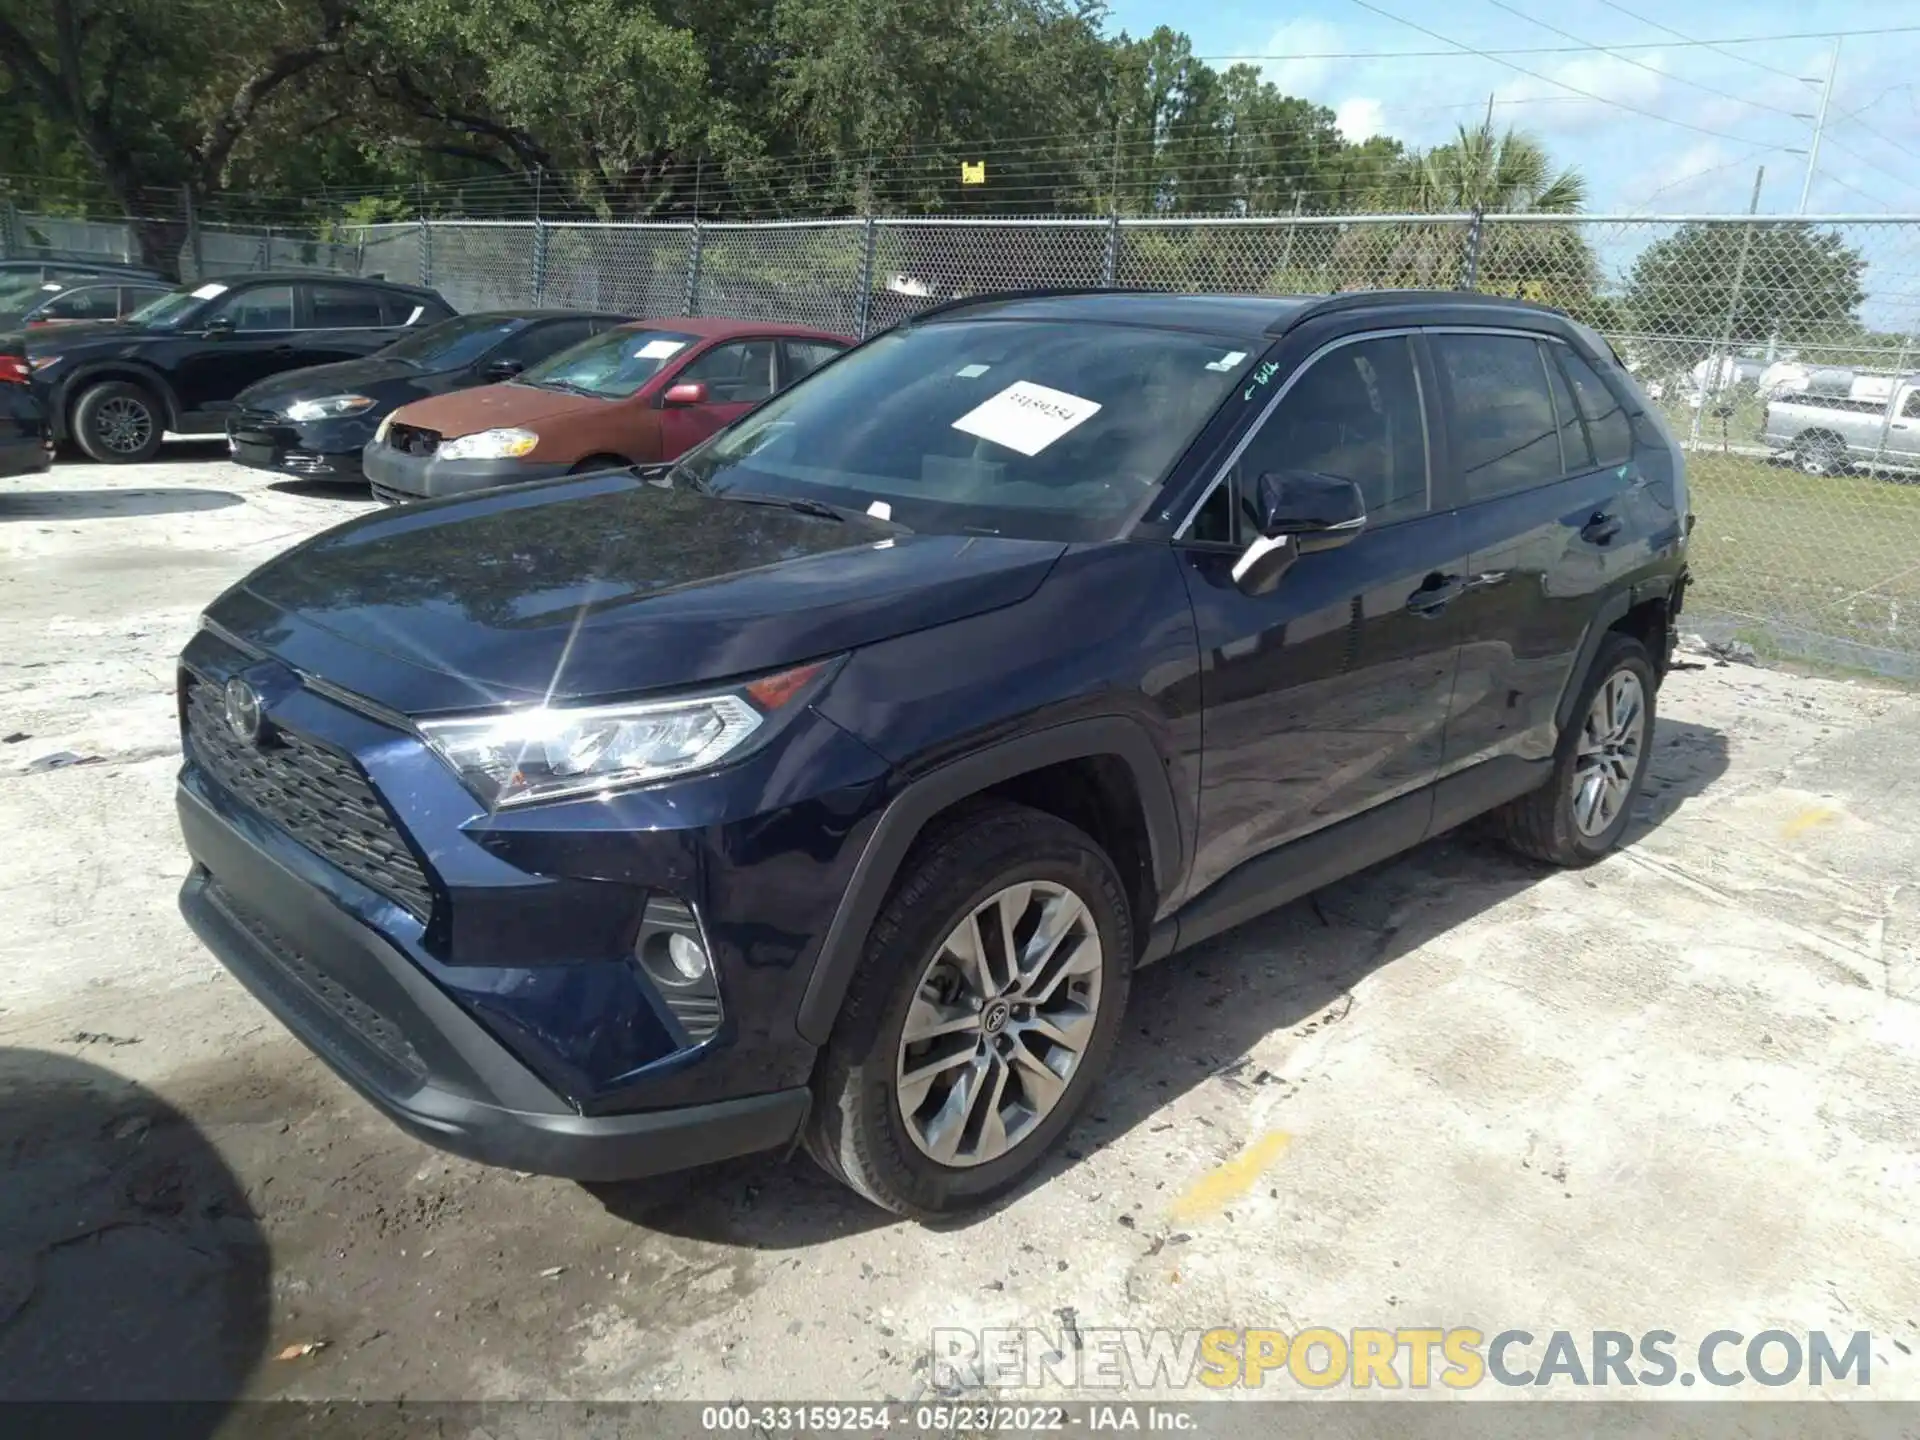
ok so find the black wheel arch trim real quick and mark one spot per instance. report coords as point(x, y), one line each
point(909, 812)
point(69, 389)
point(1610, 612)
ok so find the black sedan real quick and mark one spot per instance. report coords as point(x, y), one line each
point(177, 364)
point(316, 422)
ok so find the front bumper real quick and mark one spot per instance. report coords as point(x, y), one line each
point(398, 477)
point(387, 1031)
point(493, 1007)
point(314, 450)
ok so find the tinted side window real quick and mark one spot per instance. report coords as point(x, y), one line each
point(270, 307)
point(1499, 413)
point(1355, 414)
point(1912, 407)
point(94, 302)
point(1606, 417)
point(737, 374)
point(1575, 452)
point(345, 307)
point(806, 356)
point(537, 342)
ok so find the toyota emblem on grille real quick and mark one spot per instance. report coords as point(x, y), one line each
point(243, 710)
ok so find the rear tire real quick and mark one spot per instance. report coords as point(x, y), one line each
point(119, 423)
point(1820, 455)
point(902, 1120)
point(1584, 808)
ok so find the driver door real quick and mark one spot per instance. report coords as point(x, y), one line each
point(215, 368)
point(738, 376)
point(1328, 695)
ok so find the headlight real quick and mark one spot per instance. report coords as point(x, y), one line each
point(553, 750)
point(329, 407)
point(490, 445)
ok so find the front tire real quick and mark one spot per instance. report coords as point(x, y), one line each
point(985, 1008)
point(1820, 456)
point(1583, 810)
point(118, 423)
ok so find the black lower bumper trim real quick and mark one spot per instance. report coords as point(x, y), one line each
point(388, 1031)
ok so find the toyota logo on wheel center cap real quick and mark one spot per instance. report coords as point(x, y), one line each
point(995, 1018)
point(243, 710)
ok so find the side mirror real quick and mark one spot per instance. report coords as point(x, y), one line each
point(504, 369)
point(691, 393)
point(1297, 512)
point(218, 326)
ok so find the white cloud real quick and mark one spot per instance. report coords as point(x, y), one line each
point(1302, 77)
point(1542, 106)
point(1359, 117)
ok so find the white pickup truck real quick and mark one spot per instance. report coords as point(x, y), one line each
point(1854, 420)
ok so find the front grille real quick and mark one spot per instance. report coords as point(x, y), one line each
point(412, 440)
point(316, 796)
point(382, 1049)
point(387, 495)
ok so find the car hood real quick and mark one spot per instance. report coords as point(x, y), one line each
point(393, 382)
point(489, 407)
point(603, 586)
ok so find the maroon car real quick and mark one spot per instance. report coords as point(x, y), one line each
point(633, 395)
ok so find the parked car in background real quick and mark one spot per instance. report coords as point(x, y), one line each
point(832, 783)
point(71, 302)
point(643, 393)
point(1855, 419)
point(177, 363)
point(20, 278)
point(26, 440)
point(316, 422)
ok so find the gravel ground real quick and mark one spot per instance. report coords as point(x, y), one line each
point(1673, 1092)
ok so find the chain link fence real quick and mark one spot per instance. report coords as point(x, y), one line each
point(1783, 352)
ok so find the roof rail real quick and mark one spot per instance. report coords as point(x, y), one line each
point(1046, 292)
point(1362, 299)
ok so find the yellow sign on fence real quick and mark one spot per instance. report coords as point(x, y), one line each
point(973, 172)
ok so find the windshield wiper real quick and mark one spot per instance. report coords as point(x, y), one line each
point(787, 502)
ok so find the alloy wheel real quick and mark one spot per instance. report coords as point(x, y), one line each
point(999, 1022)
point(1608, 755)
point(123, 425)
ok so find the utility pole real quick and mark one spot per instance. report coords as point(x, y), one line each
point(1718, 364)
point(1820, 125)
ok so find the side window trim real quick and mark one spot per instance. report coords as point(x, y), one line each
point(1547, 368)
point(1224, 470)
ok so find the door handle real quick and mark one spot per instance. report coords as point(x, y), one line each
point(1485, 580)
point(1436, 592)
point(1600, 529)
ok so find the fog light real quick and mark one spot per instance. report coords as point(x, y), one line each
point(687, 958)
point(674, 956)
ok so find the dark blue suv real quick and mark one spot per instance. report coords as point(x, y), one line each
point(828, 785)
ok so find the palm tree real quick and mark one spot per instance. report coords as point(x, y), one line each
point(1486, 173)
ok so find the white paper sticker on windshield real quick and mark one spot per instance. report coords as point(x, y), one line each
point(1027, 417)
point(659, 349)
point(969, 372)
point(209, 290)
point(1227, 361)
point(880, 510)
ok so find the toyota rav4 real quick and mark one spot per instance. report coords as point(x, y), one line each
point(828, 785)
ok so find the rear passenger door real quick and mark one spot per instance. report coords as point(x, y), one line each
point(1544, 490)
point(341, 322)
point(1328, 695)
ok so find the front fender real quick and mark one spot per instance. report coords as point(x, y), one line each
point(68, 387)
point(909, 812)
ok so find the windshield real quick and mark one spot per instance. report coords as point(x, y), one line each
point(1047, 430)
point(165, 312)
point(614, 364)
point(452, 343)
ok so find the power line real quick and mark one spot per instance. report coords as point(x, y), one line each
point(1575, 89)
point(1709, 44)
point(1641, 64)
point(1560, 49)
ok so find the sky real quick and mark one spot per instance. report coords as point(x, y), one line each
point(1721, 112)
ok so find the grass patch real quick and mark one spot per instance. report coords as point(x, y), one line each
point(1834, 556)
